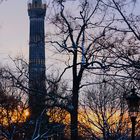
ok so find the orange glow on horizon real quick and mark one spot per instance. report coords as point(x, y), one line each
point(26, 113)
point(13, 116)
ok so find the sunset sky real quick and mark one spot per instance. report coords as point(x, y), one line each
point(14, 28)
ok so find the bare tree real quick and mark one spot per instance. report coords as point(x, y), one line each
point(95, 35)
point(75, 30)
point(106, 111)
point(12, 109)
point(14, 92)
point(92, 35)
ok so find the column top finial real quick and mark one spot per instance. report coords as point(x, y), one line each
point(37, 1)
point(36, 4)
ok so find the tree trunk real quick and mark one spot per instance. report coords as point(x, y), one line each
point(74, 113)
point(74, 125)
point(75, 98)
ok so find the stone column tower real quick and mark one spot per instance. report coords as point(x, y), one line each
point(36, 12)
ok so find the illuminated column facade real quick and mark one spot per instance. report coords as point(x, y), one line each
point(36, 12)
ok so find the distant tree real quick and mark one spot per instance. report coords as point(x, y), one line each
point(12, 110)
point(14, 92)
point(106, 111)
